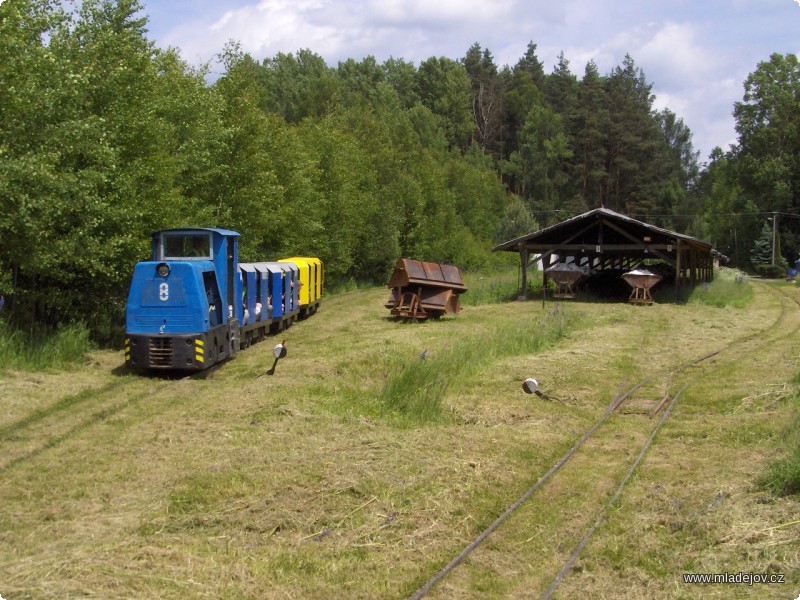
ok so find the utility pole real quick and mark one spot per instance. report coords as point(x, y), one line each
point(774, 234)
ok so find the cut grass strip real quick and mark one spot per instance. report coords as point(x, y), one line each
point(415, 389)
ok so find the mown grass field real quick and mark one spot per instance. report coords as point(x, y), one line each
point(358, 469)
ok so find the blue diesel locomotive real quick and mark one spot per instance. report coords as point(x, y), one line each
point(194, 304)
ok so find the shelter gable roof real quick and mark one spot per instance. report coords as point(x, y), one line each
point(584, 228)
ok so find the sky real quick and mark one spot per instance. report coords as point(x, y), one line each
point(697, 54)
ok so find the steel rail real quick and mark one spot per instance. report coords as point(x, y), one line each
point(442, 573)
point(615, 404)
point(489, 530)
point(602, 516)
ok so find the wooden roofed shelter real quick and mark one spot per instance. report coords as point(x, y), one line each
point(605, 240)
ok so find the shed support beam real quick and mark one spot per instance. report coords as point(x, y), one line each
point(523, 256)
point(678, 272)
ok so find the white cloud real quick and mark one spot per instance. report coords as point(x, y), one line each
point(264, 29)
point(695, 54)
point(448, 12)
point(338, 29)
point(686, 74)
point(673, 55)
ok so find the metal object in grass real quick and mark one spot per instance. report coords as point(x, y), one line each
point(641, 280)
point(280, 352)
point(531, 386)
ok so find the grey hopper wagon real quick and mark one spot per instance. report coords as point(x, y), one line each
point(641, 280)
point(566, 277)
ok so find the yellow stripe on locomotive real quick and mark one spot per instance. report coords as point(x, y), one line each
point(199, 351)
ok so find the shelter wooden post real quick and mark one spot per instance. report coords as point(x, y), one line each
point(523, 256)
point(678, 271)
point(547, 260)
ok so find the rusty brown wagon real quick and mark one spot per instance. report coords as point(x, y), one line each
point(424, 289)
point(641, 280)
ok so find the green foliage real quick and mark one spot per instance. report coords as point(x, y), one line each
point(761, 254)
point(731, 222)
point(728, 288)
point(104, 138)
point(92, 170)
point(769, 271)
point(445, 90)
point(783, 475)
point(544, 151)
point(42, 348)
point(491, 287)
point(634, 134)
point(765, 121)
point(297, 86)
point(517, 221)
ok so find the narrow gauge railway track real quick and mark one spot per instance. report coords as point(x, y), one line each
point(47, 427)
point(781, 328)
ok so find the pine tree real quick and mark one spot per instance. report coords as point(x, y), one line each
point(761, 254)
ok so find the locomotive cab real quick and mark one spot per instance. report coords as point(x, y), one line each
point(181, 311)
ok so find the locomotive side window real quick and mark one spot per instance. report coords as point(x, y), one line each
point(187, 245)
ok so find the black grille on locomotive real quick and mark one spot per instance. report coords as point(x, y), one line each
point(160, 352)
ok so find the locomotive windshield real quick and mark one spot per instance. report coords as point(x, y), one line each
point(186, 245)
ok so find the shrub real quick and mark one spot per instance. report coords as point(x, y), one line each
point(783, 476)
point(490, 288)
point(42, 348)
point(771, 271)
point(729, 288)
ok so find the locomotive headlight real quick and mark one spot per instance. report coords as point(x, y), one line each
point(162, 269)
